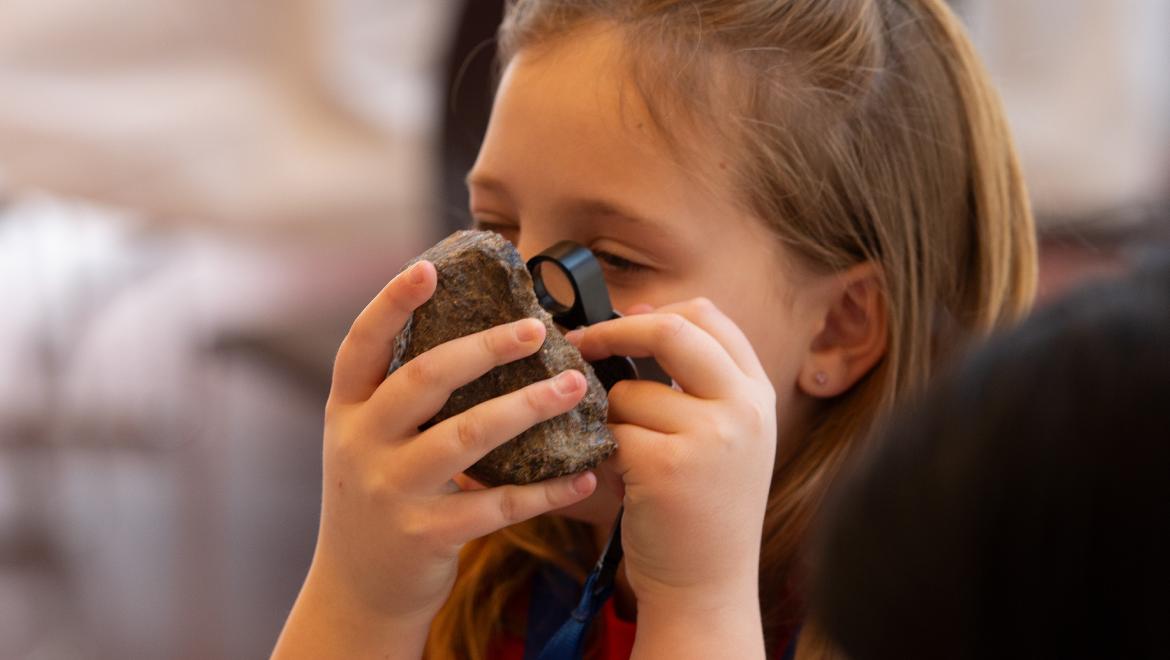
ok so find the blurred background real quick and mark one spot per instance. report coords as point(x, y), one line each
point(197, 197)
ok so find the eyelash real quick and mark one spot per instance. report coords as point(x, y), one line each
point(615, 262)
point(618, 263)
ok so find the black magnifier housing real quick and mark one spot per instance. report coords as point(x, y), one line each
point(570, 285)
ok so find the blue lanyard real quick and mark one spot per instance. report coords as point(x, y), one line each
point(568, 640)
point(549, 604)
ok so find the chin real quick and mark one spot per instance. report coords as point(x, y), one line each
point(602, 506)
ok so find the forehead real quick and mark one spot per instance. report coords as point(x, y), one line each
point(571, 113)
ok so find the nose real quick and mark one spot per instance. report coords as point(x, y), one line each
point(532, 243)
point(529, 248)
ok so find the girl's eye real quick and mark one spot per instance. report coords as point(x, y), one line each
point(619, 263)
point(608, 259)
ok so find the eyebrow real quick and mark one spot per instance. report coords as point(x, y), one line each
point(605, 208)
point(594, 207)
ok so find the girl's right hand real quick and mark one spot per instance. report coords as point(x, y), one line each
point(392, 519)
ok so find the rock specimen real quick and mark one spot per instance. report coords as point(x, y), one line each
point(483, 282)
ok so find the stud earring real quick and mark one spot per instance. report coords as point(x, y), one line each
point(821, 378)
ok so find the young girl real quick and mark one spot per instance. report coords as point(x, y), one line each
point(801, 205)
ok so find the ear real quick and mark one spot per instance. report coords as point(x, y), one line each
point(854, 333)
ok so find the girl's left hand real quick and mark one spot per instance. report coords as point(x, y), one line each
point(696, 464)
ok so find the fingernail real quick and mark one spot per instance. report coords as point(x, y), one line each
point(567, 382)
point(574, 337)
point(417, 275)
point(583, 483)
point(528, 330)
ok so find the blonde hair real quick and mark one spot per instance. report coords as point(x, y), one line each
point(863, 130)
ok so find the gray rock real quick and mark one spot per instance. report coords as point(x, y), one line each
point(483, 282)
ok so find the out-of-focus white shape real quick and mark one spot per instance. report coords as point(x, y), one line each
point(168, 459)
point(1087, 88)
point(59, 263)
point(273, 112)
point(393, 82)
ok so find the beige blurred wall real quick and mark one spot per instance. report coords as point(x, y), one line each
point(246, 113)
point(196, 198)
point(256, 112)
point(1087, 88)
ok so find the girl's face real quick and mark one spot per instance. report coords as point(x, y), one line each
point(570, 155)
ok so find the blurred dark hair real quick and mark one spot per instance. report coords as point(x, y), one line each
point(1022, 509)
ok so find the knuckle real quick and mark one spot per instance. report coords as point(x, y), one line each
point(417, 526)
point(558, 495)
point(494, 342)
point(469, 432)
point(726, 430)
point(768, 397)
point(669, 326)
point(338, 411)
point(755, 419)
point(718, 428)
point(669, 463)
point(344, 449)
point(750, 413)
point(509, 503)
point(702, 307)
point(342, 444)
point(761, 414)
point(422, 372)
point(620, 389)
point(402, 295)
point(356, 331)
point(553, 497)
point(537, 397)
point(377, 489)
point(353, 340)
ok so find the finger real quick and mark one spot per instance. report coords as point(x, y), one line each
point(467, 483)
point(696, 361)
point(645, 455)
point(473, 514)
point(705, 314)
point(600, 507)
point(455, 444)
point(650, 405)
point(640, 308)
point(418, 389)
point(365, 353)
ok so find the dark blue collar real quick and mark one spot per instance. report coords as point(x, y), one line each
point(556, 629)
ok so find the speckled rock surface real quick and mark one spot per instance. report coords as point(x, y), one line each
point(483, 283)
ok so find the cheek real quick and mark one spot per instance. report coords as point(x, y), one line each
point(776, 334)
point(777, 345)
point(646, 291)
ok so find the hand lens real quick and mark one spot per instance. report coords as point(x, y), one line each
point(569, 284)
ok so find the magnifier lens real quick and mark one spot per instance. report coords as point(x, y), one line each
point(556, 284)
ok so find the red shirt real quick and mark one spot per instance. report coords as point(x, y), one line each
point(616, 643)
